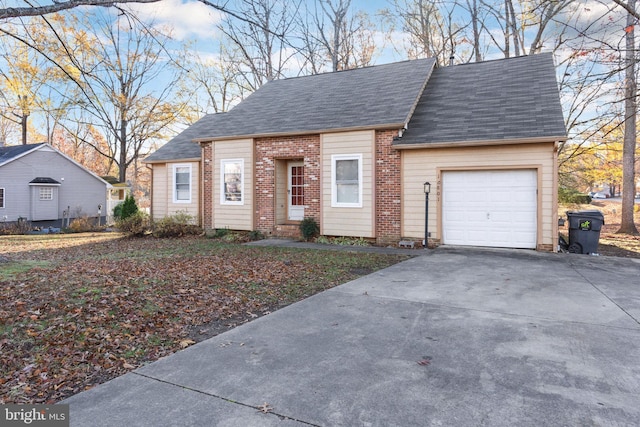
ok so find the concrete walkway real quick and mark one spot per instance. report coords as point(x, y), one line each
point(454, 337)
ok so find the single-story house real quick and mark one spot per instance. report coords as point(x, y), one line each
point(353, 149)
point(39, 183)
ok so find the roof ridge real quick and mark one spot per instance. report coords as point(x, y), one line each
point(333, 73)
point(490, 61)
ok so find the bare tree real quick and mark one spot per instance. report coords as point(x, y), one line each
point(260, 46)
point(212, 83)
point(114, 74)
point(60, 6)
point(336, 36)
point(630, 113)
point(331, 36)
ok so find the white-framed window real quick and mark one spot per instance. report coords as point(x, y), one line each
point(182, 183)
point(346, 180)
point(232, 181)
point(46, 193)
point(1, 198)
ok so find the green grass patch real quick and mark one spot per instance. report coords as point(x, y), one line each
point(10, 270)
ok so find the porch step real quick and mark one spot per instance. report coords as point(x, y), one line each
point(289, 231)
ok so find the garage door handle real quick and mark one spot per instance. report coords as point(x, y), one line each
point(488, 215)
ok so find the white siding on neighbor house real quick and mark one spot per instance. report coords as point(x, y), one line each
point(233, 216)
point(348, 221)
point(80, 191)
point(163, 203)
point(419, 166)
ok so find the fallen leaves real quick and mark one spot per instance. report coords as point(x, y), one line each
point(265, 408)
point(186, 343)
point(103, 306)
point(425, 361)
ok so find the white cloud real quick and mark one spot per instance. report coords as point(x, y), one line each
point(186, 18)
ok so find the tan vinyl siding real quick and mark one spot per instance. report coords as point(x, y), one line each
point(419, 166)
point(234, 217)
point(160, 195)
point(163, 187)
point(348, 221)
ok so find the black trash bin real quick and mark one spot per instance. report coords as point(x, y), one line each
point(584, 231)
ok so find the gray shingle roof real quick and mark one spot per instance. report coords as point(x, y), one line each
point(12, 151)
point(504, 99)
point(181, 147)
point(371, 97)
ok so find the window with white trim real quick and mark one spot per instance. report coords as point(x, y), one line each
point(46, 193)
point(181, 183)
point(1, 198)
point(346, 181)
point(232, 181)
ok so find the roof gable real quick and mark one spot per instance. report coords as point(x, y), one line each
point(506, 99)
point(14, 152)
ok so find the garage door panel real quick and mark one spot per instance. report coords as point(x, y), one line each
point(490, 208)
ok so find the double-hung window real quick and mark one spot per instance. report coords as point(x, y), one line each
point(346, 181)
point(1, 198)
point(232, 181)
point(182, 183)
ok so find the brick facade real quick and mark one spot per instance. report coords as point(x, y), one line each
point(387, 189)
point(207, 185)
point(271, 157)
point(270, 151)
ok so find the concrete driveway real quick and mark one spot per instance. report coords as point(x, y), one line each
point(457, 337)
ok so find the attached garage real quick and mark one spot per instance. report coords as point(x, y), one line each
point(502, 196)
point(486, 136)
point(496, 208)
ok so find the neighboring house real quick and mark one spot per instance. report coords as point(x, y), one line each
point(40, 183)
point(116, 196)
point(352, 149)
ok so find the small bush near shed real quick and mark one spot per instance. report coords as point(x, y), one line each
point(125, 209)
point(22, 226)
point(176, 225)
point(84, 224)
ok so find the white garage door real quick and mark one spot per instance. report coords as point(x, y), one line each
point(490, 208)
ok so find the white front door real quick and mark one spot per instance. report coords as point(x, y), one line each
point(295, 191)
point(490, 208)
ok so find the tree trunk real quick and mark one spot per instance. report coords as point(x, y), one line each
point(123, 151)
point(476, 31)
point(627, 226)
point(23, 123)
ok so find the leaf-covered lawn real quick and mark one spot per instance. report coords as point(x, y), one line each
point(77, 310)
